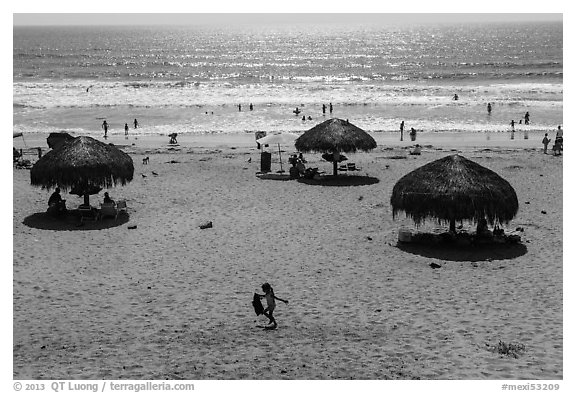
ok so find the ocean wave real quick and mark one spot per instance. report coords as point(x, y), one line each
point(371, 127)
point(91, 93)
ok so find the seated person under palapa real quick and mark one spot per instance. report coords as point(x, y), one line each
point(55, 203)
point(301, 167)
point(482, 228)
point(107, 199)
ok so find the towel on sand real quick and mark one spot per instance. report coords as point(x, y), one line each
point(258, 308)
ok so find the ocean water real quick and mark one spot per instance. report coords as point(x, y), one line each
point(192, 79)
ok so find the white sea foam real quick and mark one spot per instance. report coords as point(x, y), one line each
point(184, 93)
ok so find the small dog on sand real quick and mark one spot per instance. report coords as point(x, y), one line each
point(145, 161)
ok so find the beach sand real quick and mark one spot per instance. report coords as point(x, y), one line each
point(168, 300)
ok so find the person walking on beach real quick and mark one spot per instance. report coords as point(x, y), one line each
point(331, 108)
point(402, 131)
point(489, 108)
point(239, 107)
point(527, 118)
point(323, 109)
point(251, 107)
point(126, 130)
point(559, 133)
point(105, 127)
point(512, 125)
point(545, 142)
point(135, 123)
point(271, 303)
point(512, 133)
point(559, 141)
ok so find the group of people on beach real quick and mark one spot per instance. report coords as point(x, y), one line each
point(558, 142)
point(526, 120)
point(298, 168)
point(526, 116)
point(324, 108)
point(413, 132)
point(57, 205)
point(106, 126)
point(297, 111)
point(251, 107)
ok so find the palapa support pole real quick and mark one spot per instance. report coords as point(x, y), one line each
point(452, 225)
point(336, 160)
point(86, 199)
point(280, 156)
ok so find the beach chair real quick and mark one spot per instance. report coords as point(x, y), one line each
point(88, 213)
point(404, 236)
point(121, 206)
point(311, 173)
point(108, 210)
point(352, 167)
point(23, 164)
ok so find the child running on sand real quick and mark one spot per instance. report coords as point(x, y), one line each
point(270, 300)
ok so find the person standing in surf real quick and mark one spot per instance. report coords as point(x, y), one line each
point(105, 127)
point(271, 303)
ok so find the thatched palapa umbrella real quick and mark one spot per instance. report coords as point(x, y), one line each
point(454, 188)
point(82, 164)
point(55, 139)
point(335, 136)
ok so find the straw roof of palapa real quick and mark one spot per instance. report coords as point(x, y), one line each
point(84, 162)
point(335, 135)
point(55, 139)
point(454, 188)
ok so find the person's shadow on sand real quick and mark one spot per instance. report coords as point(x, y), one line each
point(71, 222)
point(472, 253)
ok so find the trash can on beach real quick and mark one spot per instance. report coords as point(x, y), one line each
point(265, 161)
